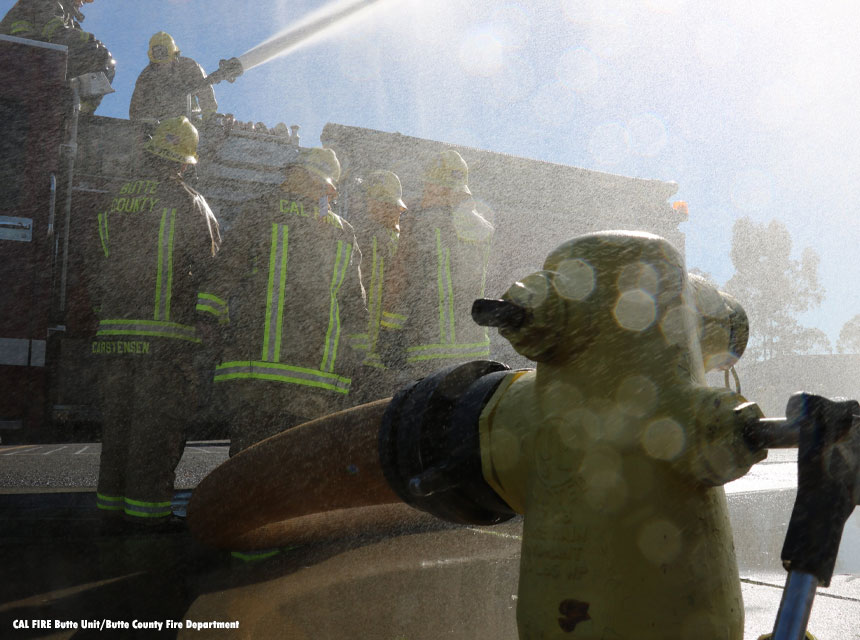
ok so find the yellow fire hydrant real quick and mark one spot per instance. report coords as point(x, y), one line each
point(613, 448)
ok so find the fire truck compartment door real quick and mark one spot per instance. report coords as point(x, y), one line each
point(20, 229)
point(22, 352)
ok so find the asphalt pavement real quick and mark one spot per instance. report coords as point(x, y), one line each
point(59, 566)
point(75, 466)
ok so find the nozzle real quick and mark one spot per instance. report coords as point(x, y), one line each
point(498, 313)
point(228, 70)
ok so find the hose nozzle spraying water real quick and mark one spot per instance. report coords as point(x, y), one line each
point(228, 70)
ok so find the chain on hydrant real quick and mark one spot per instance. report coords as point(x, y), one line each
point(613, 448)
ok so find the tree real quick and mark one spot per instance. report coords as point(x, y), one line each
point(774, 288)
point(849, 336)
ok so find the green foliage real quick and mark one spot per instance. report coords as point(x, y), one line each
point(774, 289)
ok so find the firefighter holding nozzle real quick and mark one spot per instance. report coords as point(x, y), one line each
point(171, 85)
point(59, 22)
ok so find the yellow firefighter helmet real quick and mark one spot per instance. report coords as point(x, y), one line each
point(162, 48)
point(448, 169)
point(384, 186)
point(175, 139)
point(321, 162)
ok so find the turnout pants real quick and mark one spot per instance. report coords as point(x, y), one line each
point(145, 406)
point(259, 409)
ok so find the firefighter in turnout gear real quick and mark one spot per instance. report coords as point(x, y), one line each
point(439, 271)
point(58, 22)
point(379, 204)
point(171, 85)
point(290, 275)
point(156, 238)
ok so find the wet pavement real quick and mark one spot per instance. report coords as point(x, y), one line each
point(760, 506)
point(75, 466)
point(429, 580)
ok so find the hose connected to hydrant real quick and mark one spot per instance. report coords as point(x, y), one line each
point(612, 448)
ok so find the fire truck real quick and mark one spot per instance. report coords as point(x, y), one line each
point(57, 163)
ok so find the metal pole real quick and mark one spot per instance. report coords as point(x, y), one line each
point(71, 151)
point(795, 607)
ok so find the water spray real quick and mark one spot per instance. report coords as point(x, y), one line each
point(315, 27)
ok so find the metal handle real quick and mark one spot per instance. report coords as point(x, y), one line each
point(52, 207)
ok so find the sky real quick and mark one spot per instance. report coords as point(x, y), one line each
point(750, 107)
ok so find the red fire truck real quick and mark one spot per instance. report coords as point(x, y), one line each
point(33, 251)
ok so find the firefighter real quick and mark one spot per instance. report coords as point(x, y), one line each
point(440, 270)
point(157, 238)
point(171, 85)
point(379, 204)
point(59, 22)
point(289, 277)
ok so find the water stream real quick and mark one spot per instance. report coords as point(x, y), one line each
point(313, 28)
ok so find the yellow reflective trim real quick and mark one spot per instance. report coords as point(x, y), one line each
point(441, 356)
point(145, 514)
point(21, 26)
point(222, 316)
point(451, 337)
point(51, 26)
point(103, 232)
point(250, 556)
point(378, 318)
point(282, 288)
point(280, 378)
point(159, 265)
point(464, 345)
point(212, 297)
point(439, 289)
point(169, 295)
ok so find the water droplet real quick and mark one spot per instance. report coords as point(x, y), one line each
point(574, 279)
point(635, 310)
point(600, 461)
point(639, 275)
point(663, 439)
point(659, 541)
point(530, 292)
point(606, 492)
point(675, 324)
